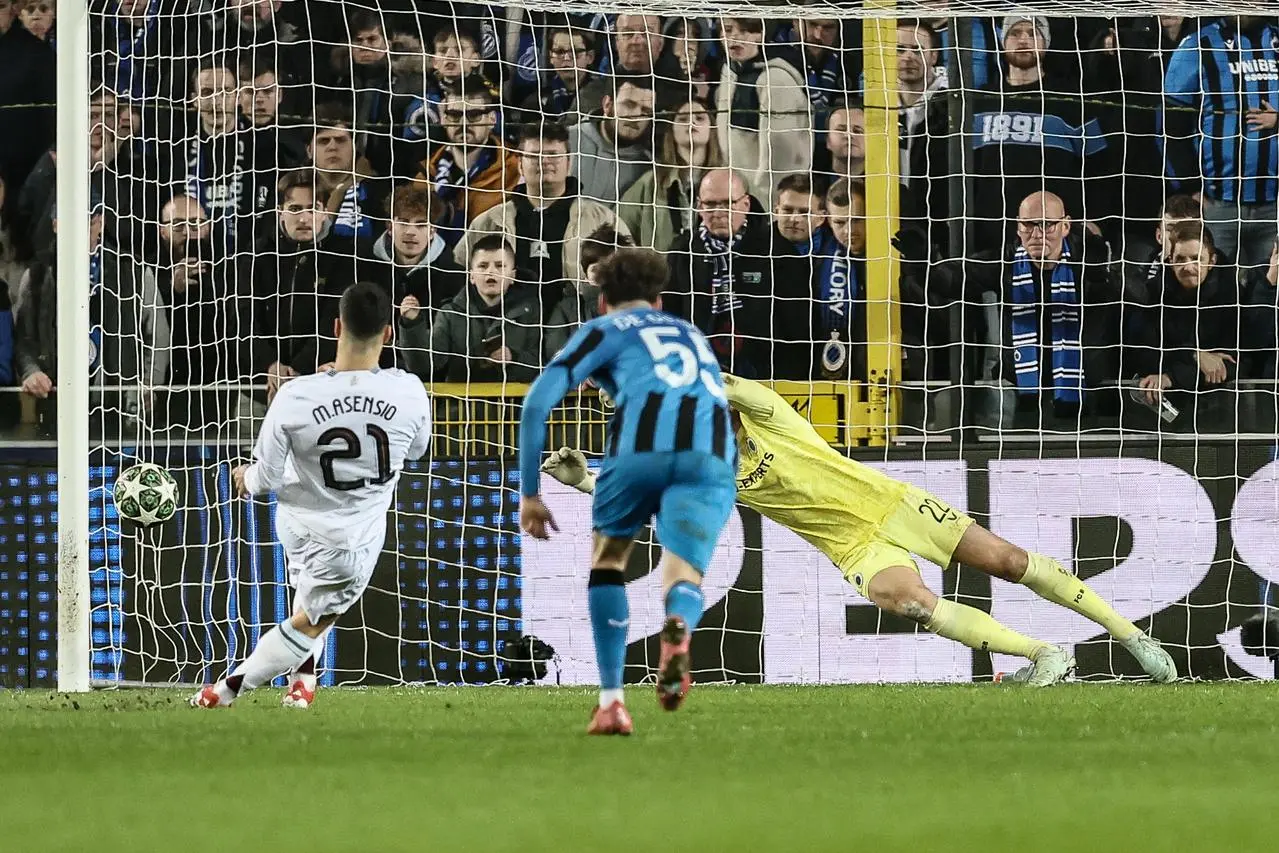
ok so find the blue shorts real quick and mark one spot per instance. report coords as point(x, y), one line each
point(692, 494)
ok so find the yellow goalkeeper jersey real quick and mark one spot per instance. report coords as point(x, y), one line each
point(787, 472)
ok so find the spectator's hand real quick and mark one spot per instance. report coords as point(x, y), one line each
point(410, 308)
point(1155, 385)
point(568, 466)
point(187, 274)
point(1272, 274)
point(535, 518)
point(237, 479)
point(502, 355)
point(1093, 228)
point(1264, 120)
point(326, 367)
point(1213, 365)
point(276, 374)
point(38, 385)
point(912, 244)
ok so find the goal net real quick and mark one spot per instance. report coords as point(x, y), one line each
point(1015, 254)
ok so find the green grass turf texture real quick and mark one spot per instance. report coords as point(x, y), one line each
point(919, 768)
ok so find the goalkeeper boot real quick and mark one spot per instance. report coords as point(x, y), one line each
point(299, 695)
point(210, 697)
point(613, 720)
point(1056, 665)
point(1052, 665)
point(674, 671)
point(1153, 659)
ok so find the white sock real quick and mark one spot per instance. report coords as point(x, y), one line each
point(608, 697)
point(279, 651)
point(309, 679)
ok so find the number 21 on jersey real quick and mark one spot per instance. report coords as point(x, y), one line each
point(353, 449)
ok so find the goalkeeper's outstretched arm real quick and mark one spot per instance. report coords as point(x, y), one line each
point(568, 465)
point(751, 398)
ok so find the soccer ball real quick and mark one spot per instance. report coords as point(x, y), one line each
point(146, 494)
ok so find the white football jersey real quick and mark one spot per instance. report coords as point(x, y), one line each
point(332, 448)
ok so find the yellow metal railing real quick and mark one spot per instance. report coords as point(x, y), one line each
point(483, 419)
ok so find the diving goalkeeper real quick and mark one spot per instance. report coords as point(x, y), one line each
point(870, 525)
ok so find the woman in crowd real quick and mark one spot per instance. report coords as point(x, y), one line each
point(660, 204)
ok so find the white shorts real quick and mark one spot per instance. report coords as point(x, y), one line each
point(327, 580)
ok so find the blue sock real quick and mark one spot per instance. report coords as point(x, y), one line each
point(610, 617)
point(685, 601)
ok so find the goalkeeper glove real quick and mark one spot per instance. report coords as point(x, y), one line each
point(569, 467)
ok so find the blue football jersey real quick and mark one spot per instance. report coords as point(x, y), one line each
point(664, 380)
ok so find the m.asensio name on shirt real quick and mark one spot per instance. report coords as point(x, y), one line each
point(353, 405)
point(757, 475)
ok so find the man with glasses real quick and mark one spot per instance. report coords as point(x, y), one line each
point(570, 53)
point(739, 281)
point(473, 170)
point(1050, 306)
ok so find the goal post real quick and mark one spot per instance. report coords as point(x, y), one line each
point(456, 585)
point(73, 324)
point(883, 181)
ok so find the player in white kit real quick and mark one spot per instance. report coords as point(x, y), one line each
point(331, 448)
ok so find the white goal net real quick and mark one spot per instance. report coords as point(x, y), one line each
point(1020, 255)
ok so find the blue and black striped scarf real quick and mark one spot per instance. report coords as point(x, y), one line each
point(1064, 320)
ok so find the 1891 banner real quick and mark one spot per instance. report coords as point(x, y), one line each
point(1181, 538)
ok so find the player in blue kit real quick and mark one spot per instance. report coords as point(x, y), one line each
point(671, 454)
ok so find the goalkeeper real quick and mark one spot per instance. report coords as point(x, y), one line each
point(870, 525)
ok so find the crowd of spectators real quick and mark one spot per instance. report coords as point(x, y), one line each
point(1107, 215)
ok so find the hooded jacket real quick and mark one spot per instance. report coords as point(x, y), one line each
point(455, 346)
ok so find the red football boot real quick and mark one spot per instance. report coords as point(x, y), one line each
point(613, 720)
point(674, 671)
point(299, 695)
point(208, 698)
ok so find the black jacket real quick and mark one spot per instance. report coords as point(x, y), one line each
point(1260, 337)
point(1183, 322)
point(455, 346)
point(27, 95)
point(297, 288)
point(986, 277)
point(211, 319)
point(433, 282)
point(768, 341)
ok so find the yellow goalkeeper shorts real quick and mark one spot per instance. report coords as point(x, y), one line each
point(920, 525)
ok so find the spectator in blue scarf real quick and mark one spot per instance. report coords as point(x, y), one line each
point(570, 54)
point(454, 57)
point(822, 57)
point(839, 289)
point(1046, 309)
point(348, 188)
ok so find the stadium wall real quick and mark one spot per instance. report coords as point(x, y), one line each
point(1179, 536)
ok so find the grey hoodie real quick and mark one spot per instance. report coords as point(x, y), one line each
point(603, 170)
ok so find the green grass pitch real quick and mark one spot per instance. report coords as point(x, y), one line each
point(955, 768)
